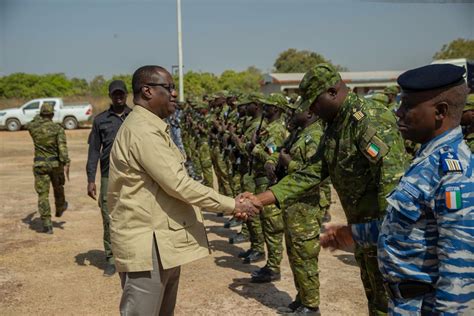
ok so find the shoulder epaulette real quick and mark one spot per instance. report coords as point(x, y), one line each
point(449, 160)
point(357, 113)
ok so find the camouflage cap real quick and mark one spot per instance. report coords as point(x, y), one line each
point(47, 108)
point(199, 105)
point(316, 81)
point(380, 97)
point(391, 90)
point(250, 98)
point(276, 99)
point(469, 103)
point(220, 94)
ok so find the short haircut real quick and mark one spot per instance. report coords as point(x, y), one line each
point(144, 75)
point(455, 97)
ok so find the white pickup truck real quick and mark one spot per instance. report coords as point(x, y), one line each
point(69, 115)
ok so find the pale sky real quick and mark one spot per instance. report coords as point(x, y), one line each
point(85, 38)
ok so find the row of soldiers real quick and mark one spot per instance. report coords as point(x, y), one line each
point(247, 142)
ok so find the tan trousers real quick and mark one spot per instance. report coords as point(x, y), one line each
point(150, 293)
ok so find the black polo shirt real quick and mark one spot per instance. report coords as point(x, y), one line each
point(101, 139)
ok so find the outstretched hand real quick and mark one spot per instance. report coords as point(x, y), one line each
point(336, 237)
point(246, 205)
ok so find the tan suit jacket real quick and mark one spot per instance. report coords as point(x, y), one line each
point(150, 194)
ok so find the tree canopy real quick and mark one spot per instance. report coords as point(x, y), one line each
point(292, 60)
point(459, 48)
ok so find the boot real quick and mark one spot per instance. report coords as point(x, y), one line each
point(254, 256)
point(265, 275)
point(233, 222)
point(238, 238)
point(60, 213)
point(306, 311)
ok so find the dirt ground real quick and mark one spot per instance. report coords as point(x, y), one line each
point(61, 274)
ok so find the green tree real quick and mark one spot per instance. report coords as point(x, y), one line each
point(97, 86)
point(292, 60)
point(459, 48)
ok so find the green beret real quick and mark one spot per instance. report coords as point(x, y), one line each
point(469, 103)
point(47, 108)
point(316, 81)
point(391, 90)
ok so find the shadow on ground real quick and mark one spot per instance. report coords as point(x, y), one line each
point(36, 224)
point(265, 293)
point(348, 259)
point(95, 258)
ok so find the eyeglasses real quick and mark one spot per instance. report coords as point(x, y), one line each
point(169, 87)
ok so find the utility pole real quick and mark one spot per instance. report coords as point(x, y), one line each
point(180, 52)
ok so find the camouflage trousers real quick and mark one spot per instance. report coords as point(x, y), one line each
point(44, 175)
point(205, 163)
point(104, 181)
point(302, 228)
point(416, 306)
point(372, 279)
point(254, 225)
point(220, 167)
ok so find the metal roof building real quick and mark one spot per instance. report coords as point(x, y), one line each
point(360, 81)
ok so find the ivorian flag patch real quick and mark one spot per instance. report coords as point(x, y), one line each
point(373, 150)
point(453, 198)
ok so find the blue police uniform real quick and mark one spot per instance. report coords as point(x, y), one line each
point(426, 240)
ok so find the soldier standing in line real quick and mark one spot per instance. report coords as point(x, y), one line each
point(51, 163)
point(391, 92)
point(202, 134)
point(425, 242)
point(303, 219)
point(361, 152)
point(270, 137)
point(101, 139)
point(381, 98)
point(467, 121)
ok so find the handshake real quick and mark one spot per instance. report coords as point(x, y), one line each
point(247, 205)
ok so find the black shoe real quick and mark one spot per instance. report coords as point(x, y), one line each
point(48, 230)
point(290, 308)
point(238, 238)
point(244, 254)
point(220, 214)
point(60, 213)
point(254, 256)
point(265, 275)
point(109, 269)
point(303, 310)
point(232, 223)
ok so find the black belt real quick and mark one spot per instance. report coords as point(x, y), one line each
point(408, 289)
point(46, 159)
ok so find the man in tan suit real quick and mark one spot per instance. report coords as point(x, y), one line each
point(156, 223)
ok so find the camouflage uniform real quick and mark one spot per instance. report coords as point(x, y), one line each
point(272, 136)
point(303, 220)
point(391, 90)
point(50, 157)
point(363, 154)
point(380, 98)
point(468, 131)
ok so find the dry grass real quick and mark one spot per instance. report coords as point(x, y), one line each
point(99, 104)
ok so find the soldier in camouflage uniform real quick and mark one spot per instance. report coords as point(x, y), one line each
point(362, 153)
point(391, 92)
point(203, 149)
point(254, 122)
point(304, 218)
point(270, 137)
point(467, 121)
point(51, 163)
point(380, 98)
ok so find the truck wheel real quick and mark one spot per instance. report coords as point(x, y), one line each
point(70, 123)
point(13, 125)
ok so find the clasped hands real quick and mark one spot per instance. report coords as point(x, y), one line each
point(247, 205)
point(336, 236)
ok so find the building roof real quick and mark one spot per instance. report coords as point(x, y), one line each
point(353, 76)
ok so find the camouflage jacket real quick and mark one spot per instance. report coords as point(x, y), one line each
point(362, 153)
point(271, 137)
point(49, 140)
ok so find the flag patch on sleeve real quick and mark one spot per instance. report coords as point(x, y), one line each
point(373, 150)
point(453, 198)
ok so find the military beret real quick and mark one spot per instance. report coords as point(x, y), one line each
point(431, 77)
point(380, 97)
point(391, 90)
point(316, 81)
point(47, 108)
point(469, 103)
point(276, 99)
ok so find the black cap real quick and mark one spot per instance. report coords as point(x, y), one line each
point(431, 77)
point(117, 85)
